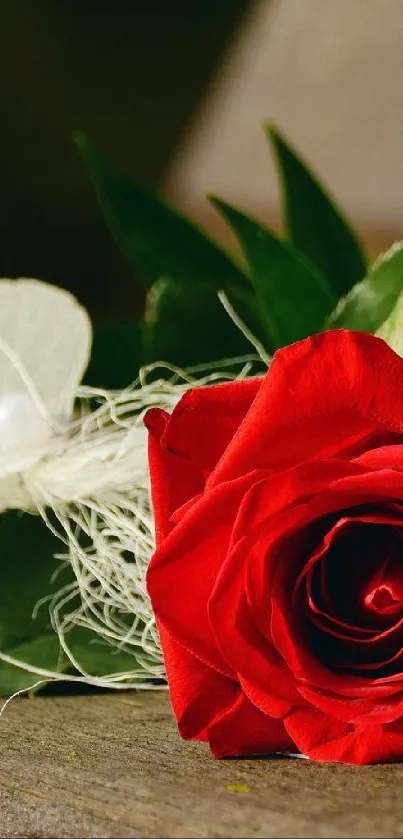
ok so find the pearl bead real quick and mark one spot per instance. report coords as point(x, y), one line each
point(22, 428)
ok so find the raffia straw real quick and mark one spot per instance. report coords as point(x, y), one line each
point(92, 490)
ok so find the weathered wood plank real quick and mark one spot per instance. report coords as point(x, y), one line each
point(113, 766)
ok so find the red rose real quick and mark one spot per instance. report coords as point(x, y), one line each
point(278, 578)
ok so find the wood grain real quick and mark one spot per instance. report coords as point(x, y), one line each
point(113, 766)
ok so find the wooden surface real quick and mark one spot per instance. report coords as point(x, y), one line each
point(114, 766)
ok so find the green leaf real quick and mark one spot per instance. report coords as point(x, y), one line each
point(26, 568)
point(156, 239)
point(43, 651)
point(116, 355)
point(293, 294)
point(370, 302)
point(159, 241)
point(314, 224)
point(392, 328)
point(187, 325)
point(96, 656)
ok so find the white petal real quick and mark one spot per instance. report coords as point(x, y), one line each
point(45, 342)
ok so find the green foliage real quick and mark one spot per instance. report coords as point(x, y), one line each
point(291, 287)
point(203, 331)
point(27, 575)
point(117, 354)
point(160, 242)
point(26, 569)
point(313, 222)
point(42, 651)
point(294, 296)
point(156, 238)
point(392, 328)
point(370, 302)
point(96, 656)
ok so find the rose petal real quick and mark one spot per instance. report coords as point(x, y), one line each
point(198, 694)
point(355, 711)
point(260, 670)
point(236, 622)
point(173, 480)
point(185, 446)
point(278, 493)
point(244, 730)
point(319, 396)
point(183, 571)
point(384, 457)
point(205, 420)
point(325, 739)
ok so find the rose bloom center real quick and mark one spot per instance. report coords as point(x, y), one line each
point(349, 596)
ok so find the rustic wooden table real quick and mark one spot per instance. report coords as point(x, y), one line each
point(114, 766)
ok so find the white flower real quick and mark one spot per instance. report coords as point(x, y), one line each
point(78, 457)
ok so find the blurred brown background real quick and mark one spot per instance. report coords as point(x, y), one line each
point(131, 75)
point(176, 93)
point(330, 74)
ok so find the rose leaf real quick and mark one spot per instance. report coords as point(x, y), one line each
point(293, 294)
point(314, 224)
point(161, 242)
point(392, 328)
point(370, 302)
point(27, 575)
point(27, 566)
point(187, 326)
point(117, 355)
